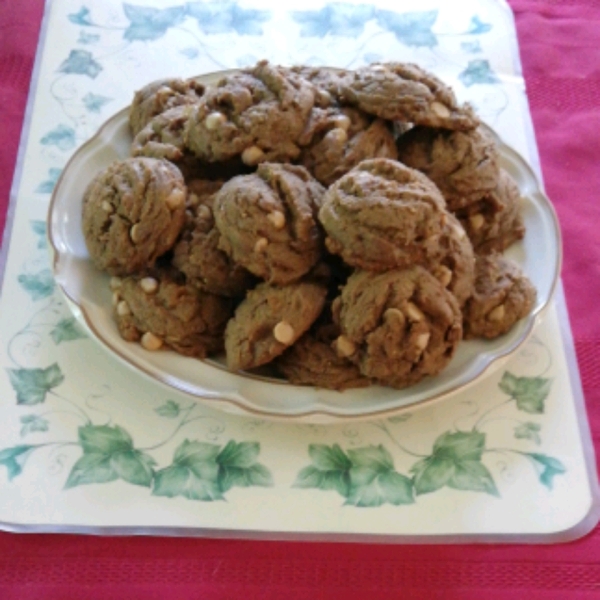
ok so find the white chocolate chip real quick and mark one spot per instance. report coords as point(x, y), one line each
point(378, 68)
point(497, 314)
point(342, 122)
point(214, 120)
point(261, 244)
point(135, 233)
point(422, 340)
point(337, 135)
point(284, 333)
point(203, 212)
point(394, 316)
point(323, 97)
point(149, 285)
point(444, 275)
point(151, 342)
point(414, 313)
point(123, 309)
point(476, 221)
point(277, 218)
point(116, 298)
point(175, 199)
point(252, 156)
point(344, 346)
point(193, 199)
point(107, 207)
point(115, 283)
point(441, 110)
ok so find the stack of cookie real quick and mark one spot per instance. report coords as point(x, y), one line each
point(344, 227)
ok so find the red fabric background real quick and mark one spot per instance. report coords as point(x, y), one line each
point(561, 60)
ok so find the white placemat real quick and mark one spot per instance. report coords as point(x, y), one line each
point(87, 445)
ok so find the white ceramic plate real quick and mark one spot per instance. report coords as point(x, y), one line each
point(88, 295)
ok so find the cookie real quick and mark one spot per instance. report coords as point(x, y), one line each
point(267, 221)
point(258, 114)
point(159, 96)
point(133, 212)
point(159, 309)
point(383, 215)
point(269, 320)
point(463, 164)
point(341, 139)
point(495, 222)
point(313, 361)
point(405, 92)
point(327, 82)
point(502, 296)
point(197, 253)
point(398, 326)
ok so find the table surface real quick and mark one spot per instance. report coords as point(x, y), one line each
point(561, 63)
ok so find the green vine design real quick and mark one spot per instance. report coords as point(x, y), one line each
point(367, 477)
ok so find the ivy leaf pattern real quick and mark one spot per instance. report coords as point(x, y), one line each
point(169, 409)
point(547, 467)
point(194, 473)
point(456, 463)
point(400, 418)
point(477, 26)
point(410, 28)
point(529, 393)
point(147, 23)
point(67, 330)
point(47, 186)
point(95, 102)
point(14, 459)
point(238, 466)
point(330, 470)
point(108, 455)
point(81, 62)
point(473, 47)
point(37, 285)
point(39, 228)
point(224, 17)
point(33, 423)
point(528, 431)
point(32, 385)
point(81, 17)
point(88, 38)
point(338, 18)
point(478, 72)
point(62, 136)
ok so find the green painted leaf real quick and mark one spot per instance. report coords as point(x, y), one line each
point(372, 457)
point(529, 431)
point(188, 453)
point(461, 445)
point(134, 467)
point(47, 186)
point(148, 23)
point(551, 467)
point(14, 459)
point(104, 439)
point(169, 409)
point(327, 458)
point(242, 455)
point(92, 467)
point(33, 423)
point(67, 330)
point(529, 392)
point(432, 473)
point(478, 71)
point(472, 475)
point(32, 385)
point(400, 418)
point(410, 28)
point(39, 228)
point(312, 477)
point(95, 102)
point(181, 481)
point(37, 285)
point(254, 475)
point(81, 62)
point(62, 136)
point(369, 488)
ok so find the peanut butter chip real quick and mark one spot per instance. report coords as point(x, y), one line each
point(252, 156)
point(203, 212)
point(476, 221)
point(337, 135)
point(444, 275)
point(214, 120)
point(441, 110)
point(393, 315)
point(261, 244)
point(277, 218)
point(115, 283)
point(497, 314)
point(344, 346)
point(422, 340)
point(107, 207)
point(149, 285)
point(175, 199)
point(283, 332)
point(150, 341)
point(123, 309)
point(342, 122)
point(414, 313)
point(135, 233)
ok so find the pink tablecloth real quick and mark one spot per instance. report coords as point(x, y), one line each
point(561, 59)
